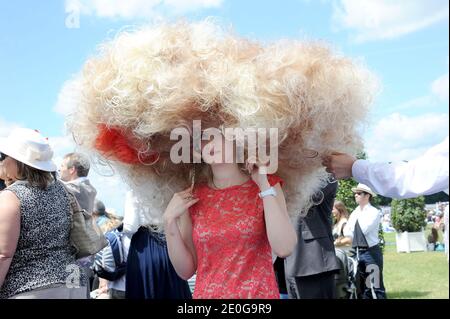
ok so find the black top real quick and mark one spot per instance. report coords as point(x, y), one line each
point(314, 253)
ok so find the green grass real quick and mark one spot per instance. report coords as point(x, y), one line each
point(416, 275)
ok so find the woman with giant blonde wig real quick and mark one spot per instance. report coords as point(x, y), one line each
point(145, 83)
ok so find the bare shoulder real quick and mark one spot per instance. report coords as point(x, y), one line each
point(8, 200)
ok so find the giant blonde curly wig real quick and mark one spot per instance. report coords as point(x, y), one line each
point(146, 82)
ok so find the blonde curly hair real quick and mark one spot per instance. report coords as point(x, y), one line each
point(148, 81)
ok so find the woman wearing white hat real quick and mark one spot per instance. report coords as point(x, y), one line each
point(37, 260)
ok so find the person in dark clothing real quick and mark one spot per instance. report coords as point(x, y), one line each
point(310, 270)
point(150, 273)
point(278, 267)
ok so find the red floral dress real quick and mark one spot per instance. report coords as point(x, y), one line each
point(234, 258)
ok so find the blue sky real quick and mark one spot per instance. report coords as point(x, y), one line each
point(404, 42)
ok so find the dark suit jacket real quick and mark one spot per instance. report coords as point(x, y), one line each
point(314, 253)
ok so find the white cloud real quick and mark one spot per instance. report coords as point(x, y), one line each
point(61, 145)
point(131, 9)
point(110, 189)
point(67, 97)
point(421, 102)
point(438, 94)
point(386, 19)
point(440, 87)
point(192, 5)
point(398, 137)
point(6, 127)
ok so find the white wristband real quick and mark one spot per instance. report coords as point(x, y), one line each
point(268, 192)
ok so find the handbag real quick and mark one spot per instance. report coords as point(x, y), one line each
point(85, 236)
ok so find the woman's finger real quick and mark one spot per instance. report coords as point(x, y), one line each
point(186, 191)
point(191, 202)
point(260, 163)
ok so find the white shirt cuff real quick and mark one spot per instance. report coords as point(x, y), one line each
point(359, 170)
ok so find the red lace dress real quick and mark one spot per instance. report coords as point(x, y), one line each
point(234, 258)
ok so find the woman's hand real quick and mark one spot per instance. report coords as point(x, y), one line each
point(179, 204)
point(258, 172)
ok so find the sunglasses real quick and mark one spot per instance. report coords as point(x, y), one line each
point(360, 193)
point(3, 157)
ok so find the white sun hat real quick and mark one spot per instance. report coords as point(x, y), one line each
point(29, 147)
point(363, 188)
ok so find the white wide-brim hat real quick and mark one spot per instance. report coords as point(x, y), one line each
point(363, 188)
point(29, 147)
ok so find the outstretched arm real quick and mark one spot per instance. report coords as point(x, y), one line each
point(404, 180)
point(425, 175)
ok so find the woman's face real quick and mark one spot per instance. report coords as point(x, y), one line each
point(335, 212)
point(2, 172)
point(8, 169)
point(217, 149)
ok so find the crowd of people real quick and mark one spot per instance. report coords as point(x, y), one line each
point(241, 232)
point(141, 261)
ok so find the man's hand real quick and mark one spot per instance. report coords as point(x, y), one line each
point(339, 164)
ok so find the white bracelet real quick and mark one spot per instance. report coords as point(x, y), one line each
point(268, 192)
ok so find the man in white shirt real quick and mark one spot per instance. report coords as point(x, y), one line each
point(425, 175)
point(362, 227)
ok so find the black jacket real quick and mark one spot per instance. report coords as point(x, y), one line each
point(314, 253)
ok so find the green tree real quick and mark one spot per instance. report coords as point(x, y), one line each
point(345, 194)
point(408, 214)
point(438, 197)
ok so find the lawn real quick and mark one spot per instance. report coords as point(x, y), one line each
point(417, 275)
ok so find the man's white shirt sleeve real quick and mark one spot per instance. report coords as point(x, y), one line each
point(428, 174)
